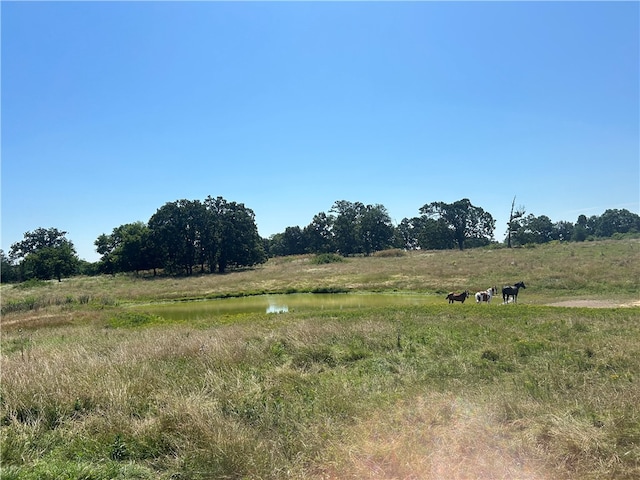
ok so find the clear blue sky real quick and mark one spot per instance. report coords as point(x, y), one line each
point(112, 109)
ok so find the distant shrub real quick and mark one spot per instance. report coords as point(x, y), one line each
point(392, 252)
point(32, 283)
point(323, 258)
point(625, 236)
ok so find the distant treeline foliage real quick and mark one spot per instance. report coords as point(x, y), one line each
point(188, 236)
point(185, 235)
point(354, 228)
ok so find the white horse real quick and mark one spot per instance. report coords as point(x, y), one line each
point(486, 295)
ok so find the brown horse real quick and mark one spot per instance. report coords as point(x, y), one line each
point(458, 297)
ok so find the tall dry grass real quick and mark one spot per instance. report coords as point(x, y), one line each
point(413, 392)
point(431, 391)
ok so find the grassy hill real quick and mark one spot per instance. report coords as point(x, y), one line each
point(93, 389)
point(607, 269)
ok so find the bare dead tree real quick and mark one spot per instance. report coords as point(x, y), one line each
point(513, 216)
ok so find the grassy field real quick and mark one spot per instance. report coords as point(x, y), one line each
point(92, 389)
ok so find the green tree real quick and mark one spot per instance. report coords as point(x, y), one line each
point(435, 234)
point(240, 244)
point(563, 231)
point(277, 246)
point(45, 253)
point(346, 226)
point(318, 234)
point(214, 233)
point(534, 229)
point(104, 247)
point(375, 228)
point(176, 232)
point(294, 241)
point(424, 233)
point(465, 220)
point(406, 234)
point(617, 221)
point(129, 248)
point(580, 229)
point(8, 271)
point(290, 242)
point(90, 269)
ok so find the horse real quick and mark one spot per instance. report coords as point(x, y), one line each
point(458, 297)
point(512, 291)
point(486, 295)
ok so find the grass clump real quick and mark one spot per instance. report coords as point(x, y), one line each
point(21, 305)
point(324, 258)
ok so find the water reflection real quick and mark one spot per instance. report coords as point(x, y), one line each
point(277, 308)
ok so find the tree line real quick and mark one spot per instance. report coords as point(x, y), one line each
point(214, 235)
point(352, 228)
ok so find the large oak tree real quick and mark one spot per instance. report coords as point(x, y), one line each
point(464, 220)
point(45, 253)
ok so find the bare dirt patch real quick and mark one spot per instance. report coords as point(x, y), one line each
point(590, 303)
point(437, 437)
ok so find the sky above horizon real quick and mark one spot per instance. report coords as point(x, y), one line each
point(112, 109)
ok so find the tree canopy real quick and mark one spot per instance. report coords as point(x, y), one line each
point(44, 254)
point(530, 229)
point(466, 221)
point(212, 234)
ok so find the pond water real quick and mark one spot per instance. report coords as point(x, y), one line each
point(278, 304)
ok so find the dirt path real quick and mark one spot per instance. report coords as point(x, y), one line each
point(436, 437)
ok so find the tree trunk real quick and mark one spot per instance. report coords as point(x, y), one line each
point(509, 227)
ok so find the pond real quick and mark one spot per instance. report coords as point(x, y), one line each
point(278, 304)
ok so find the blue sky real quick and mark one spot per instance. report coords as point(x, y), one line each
point(112, 109)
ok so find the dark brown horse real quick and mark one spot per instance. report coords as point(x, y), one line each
point(458, 297)
point(512, 291)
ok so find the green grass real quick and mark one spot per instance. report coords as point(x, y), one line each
point(94, 390)
point(607, 269)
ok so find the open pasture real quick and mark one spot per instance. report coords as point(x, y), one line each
point(93, 388)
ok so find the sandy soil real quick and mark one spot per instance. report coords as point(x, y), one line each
point(594, 303)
